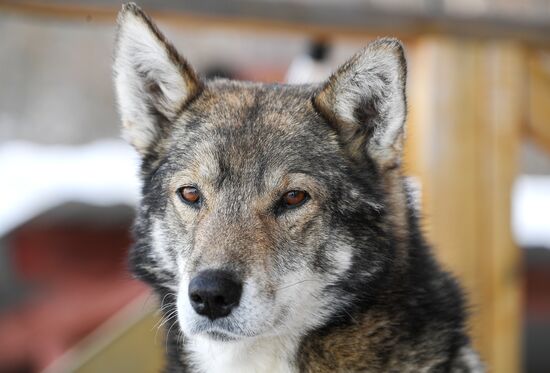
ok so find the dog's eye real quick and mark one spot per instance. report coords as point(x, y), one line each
point(189, 194)
point(294, 198)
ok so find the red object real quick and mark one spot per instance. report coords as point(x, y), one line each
point(537, 292)
point(78, 279)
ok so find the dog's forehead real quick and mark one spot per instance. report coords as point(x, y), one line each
point(237, 104)
point(252, 131)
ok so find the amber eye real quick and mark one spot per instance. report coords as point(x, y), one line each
point(294, 198)
point(189, 194)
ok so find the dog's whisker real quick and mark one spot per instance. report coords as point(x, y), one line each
point(163, 321)
point(167, 318)
point(164, 298)
point(168, 335)
point(297, 283)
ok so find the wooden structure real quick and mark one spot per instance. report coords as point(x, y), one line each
point(477, 85)
point(133, 333)
point(466, 113)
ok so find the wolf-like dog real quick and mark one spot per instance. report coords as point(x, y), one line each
point(275, 223)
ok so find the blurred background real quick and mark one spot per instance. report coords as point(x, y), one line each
point(478, 148)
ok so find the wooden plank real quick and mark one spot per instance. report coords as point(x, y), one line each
point(538, 123)
point(128, 342)
point(505, 69)
point(466, 108)
point(327, 20)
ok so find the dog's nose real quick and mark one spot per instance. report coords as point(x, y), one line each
point(214, 293)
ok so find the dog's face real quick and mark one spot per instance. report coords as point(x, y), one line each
point(251, 182)
point(262, 210)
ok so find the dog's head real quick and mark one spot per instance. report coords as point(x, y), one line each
point(263, 206)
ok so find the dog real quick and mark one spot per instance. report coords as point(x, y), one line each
point(276, 224)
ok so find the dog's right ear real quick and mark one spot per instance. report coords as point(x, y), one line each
point(153, 82)
point(365, 102)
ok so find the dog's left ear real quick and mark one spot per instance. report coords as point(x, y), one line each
point(365, 101)
point(153, 82)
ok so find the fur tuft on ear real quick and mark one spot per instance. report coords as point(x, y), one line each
point(153, 82)
point(365, 101)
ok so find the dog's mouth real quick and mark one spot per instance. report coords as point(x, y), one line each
point(219, 333)
point(220, 336)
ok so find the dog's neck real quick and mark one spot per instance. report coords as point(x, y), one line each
point(270, 354)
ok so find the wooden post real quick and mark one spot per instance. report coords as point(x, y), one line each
point(466, 101)
point(538, 125)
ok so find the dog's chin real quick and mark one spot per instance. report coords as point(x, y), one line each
point(220, 336)
point(217, 330)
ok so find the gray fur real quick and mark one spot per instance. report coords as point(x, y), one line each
point(345, 282)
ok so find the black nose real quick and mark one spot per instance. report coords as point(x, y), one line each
point(214, 293)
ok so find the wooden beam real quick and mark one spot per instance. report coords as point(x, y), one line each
point(467, 102)
point(352, 20)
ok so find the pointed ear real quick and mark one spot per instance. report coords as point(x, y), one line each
point(365, 101)
point(153, 82)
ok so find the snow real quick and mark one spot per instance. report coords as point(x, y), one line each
point(35, 178)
